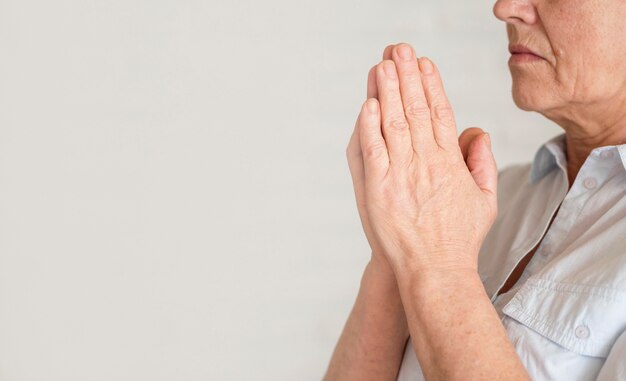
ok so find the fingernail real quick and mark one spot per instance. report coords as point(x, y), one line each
point(487, 139)
point(426, 65)
point(405, 52)
point(371, 105)
point(390, 69)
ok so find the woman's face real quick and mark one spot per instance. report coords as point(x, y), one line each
point(583, 46)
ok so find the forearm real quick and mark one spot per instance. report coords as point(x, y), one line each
point(372, 343)
point(455, 330)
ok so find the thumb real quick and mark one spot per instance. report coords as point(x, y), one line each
point(481, 163)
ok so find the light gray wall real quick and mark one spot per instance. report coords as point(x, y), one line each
point(175, 202)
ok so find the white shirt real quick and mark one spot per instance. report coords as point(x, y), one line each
point(566, 315)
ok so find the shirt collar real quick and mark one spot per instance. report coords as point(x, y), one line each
point(622, 154)
point(549, 156)
point(552, 154)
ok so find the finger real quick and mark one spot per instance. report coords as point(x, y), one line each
point(482, 164)
point(355, 163)
point(416, 109)
point(387, 52)
point(372, 89)
point(394, 125)
point(357, 171)
point(373, 147)
point(466, 137)
point(353, 153)
point(444, 126)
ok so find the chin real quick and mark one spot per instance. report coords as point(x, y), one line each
point(530, 96)
point(523, 102)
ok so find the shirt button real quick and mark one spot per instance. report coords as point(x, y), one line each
point(606, 154)
point(582, 332)
point(590, 183)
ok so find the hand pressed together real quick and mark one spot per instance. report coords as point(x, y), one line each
point(425, 197)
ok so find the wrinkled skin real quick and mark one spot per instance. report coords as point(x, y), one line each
point(426, 199)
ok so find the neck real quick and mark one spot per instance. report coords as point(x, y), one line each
point(579, 146)
point(585, 133)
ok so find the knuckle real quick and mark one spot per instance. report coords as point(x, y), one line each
point(373, 151)
point(397, 124)
point(443, 113)
point(417, 110)
point(434, 89)
point(386, 62)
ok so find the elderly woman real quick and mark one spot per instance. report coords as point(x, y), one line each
point(480, 275)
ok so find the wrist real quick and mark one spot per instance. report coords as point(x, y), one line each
point(434, 263)
point(380, 264)
point(438, 282)
point(380, 286)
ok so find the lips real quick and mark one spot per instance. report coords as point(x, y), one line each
point(522, 49)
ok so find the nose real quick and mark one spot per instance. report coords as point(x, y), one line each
point(516, 11)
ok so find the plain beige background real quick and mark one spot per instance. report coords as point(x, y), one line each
point(175, 202)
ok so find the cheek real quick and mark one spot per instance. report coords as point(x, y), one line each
point(587, 42)
point(601, 62)
point(589, 45)
point(589, 75)
point(577, 62)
